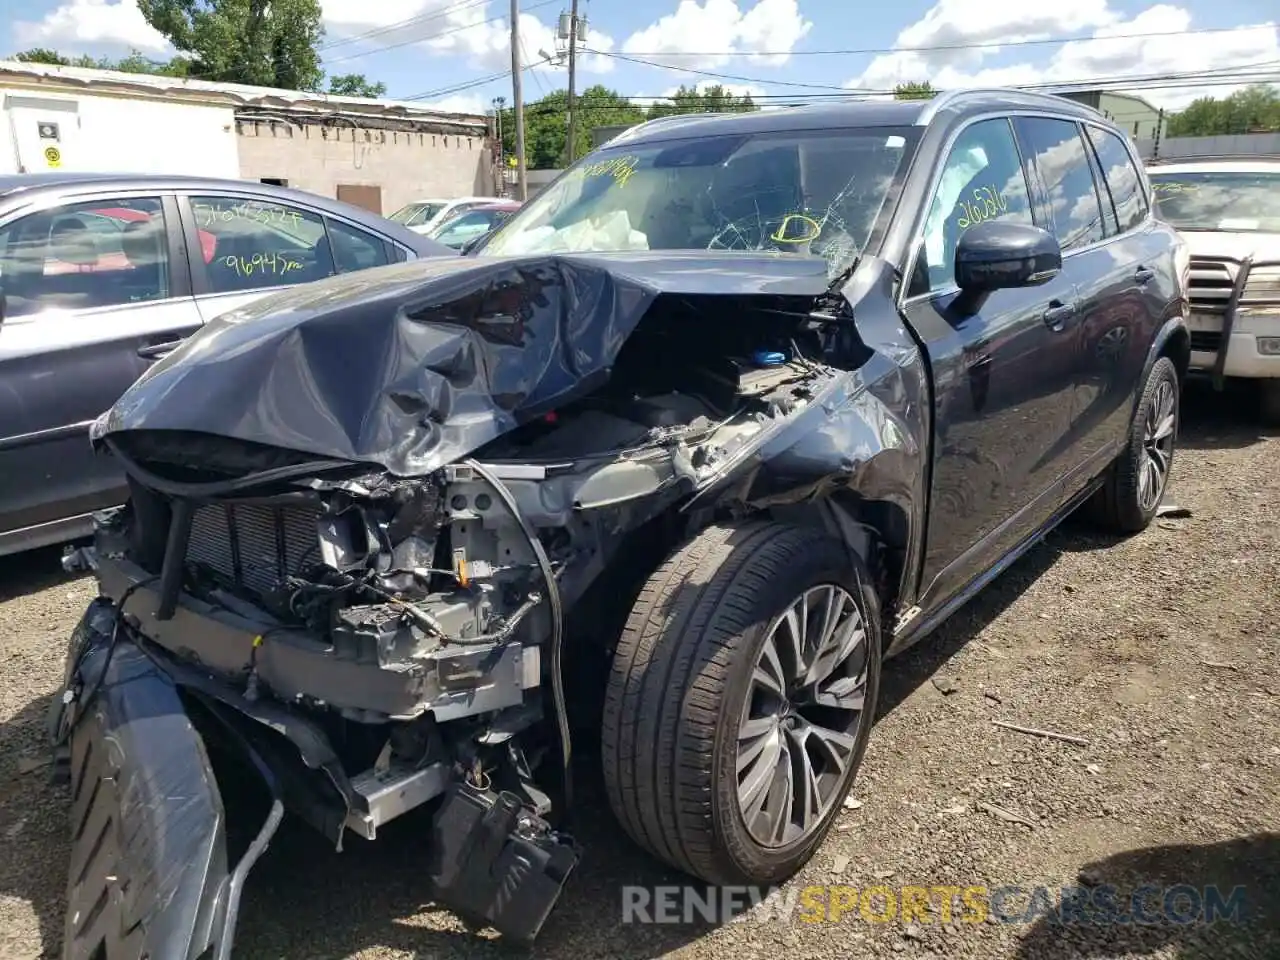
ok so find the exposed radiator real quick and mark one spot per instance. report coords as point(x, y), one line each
point(255, 546)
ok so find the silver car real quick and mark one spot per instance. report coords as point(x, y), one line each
point(100, 275)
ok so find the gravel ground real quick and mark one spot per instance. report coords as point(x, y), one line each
point(1160, 651)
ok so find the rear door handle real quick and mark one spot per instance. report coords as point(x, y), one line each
point(1058, 314)
point(1143, 275)
point(154, 351)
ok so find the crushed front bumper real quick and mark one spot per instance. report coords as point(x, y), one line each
point(149, 875)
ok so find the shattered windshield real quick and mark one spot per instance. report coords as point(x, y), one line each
point(816, 193)
point(1231, 201)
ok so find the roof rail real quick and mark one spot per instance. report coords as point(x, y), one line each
point(947, 97)
point(659, 121)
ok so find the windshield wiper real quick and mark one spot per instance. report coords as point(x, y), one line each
point(844, 276)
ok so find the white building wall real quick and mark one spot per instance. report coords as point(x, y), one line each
point(114, 134)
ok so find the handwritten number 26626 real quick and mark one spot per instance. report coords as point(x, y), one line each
point(987, 204)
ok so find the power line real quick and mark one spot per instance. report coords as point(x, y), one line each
point(710, 73)
point(934, 48)
point(401, 24)
point(459, 87)
point(537, 78)
point(1264, 71)
point(634, 102)
point(433, 36)
point(849, 91)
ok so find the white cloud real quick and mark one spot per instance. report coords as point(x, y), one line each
point(474, 30)
point(960, 22)
point(460, 103)
point(714, 29)
point(91, 22)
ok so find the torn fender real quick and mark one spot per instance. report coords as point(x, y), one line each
point(148, 875)
point(413, 366)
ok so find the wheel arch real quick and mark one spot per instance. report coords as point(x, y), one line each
point(1172, 340)
point(1177, 347)
point(876, 531)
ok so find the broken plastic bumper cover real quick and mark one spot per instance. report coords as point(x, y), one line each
point(149, 873)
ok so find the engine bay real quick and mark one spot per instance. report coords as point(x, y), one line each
point(401, 574)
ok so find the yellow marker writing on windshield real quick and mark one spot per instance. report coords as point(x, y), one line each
point(814, 229)
point(620, 168)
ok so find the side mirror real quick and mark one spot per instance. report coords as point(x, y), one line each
point(996, 255)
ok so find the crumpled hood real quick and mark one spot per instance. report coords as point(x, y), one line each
point(415, 365)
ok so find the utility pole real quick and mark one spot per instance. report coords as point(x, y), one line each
point(571, 151)
point(522, 188)
point(501, 185)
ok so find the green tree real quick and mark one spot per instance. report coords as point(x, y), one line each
point(355, 85)
point(267, 43)
point(715, 99)
point(135, 62)
point(1254, 109)
point(914, 91)
point(42, 55)
point(546, 124)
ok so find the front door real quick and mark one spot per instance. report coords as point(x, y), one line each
point(1002, 374)
point(94, 292)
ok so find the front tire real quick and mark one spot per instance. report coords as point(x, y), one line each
point(1137, 481)
point(740, 701)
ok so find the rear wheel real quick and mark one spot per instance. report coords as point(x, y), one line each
point(740, 701)
point(1136, 483)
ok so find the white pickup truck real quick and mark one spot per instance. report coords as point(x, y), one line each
point(1229, 212)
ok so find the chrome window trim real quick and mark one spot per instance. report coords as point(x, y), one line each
point(917, 231)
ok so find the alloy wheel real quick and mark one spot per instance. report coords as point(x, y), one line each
point(799, 728)
point(1157, 445)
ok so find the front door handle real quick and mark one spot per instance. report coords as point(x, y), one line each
point(1058, 314)
point(1143, 275)
point(154, 351)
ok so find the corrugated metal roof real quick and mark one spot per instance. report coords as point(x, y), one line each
point(230, 94)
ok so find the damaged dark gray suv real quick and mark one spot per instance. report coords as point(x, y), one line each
point(738, 408)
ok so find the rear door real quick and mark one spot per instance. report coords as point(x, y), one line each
point(250, 245)
point(1115, 345)
point(1104, 257)
point(1001, 375)
point(95, 290)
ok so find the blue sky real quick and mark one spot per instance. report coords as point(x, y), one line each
point(441, 51)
